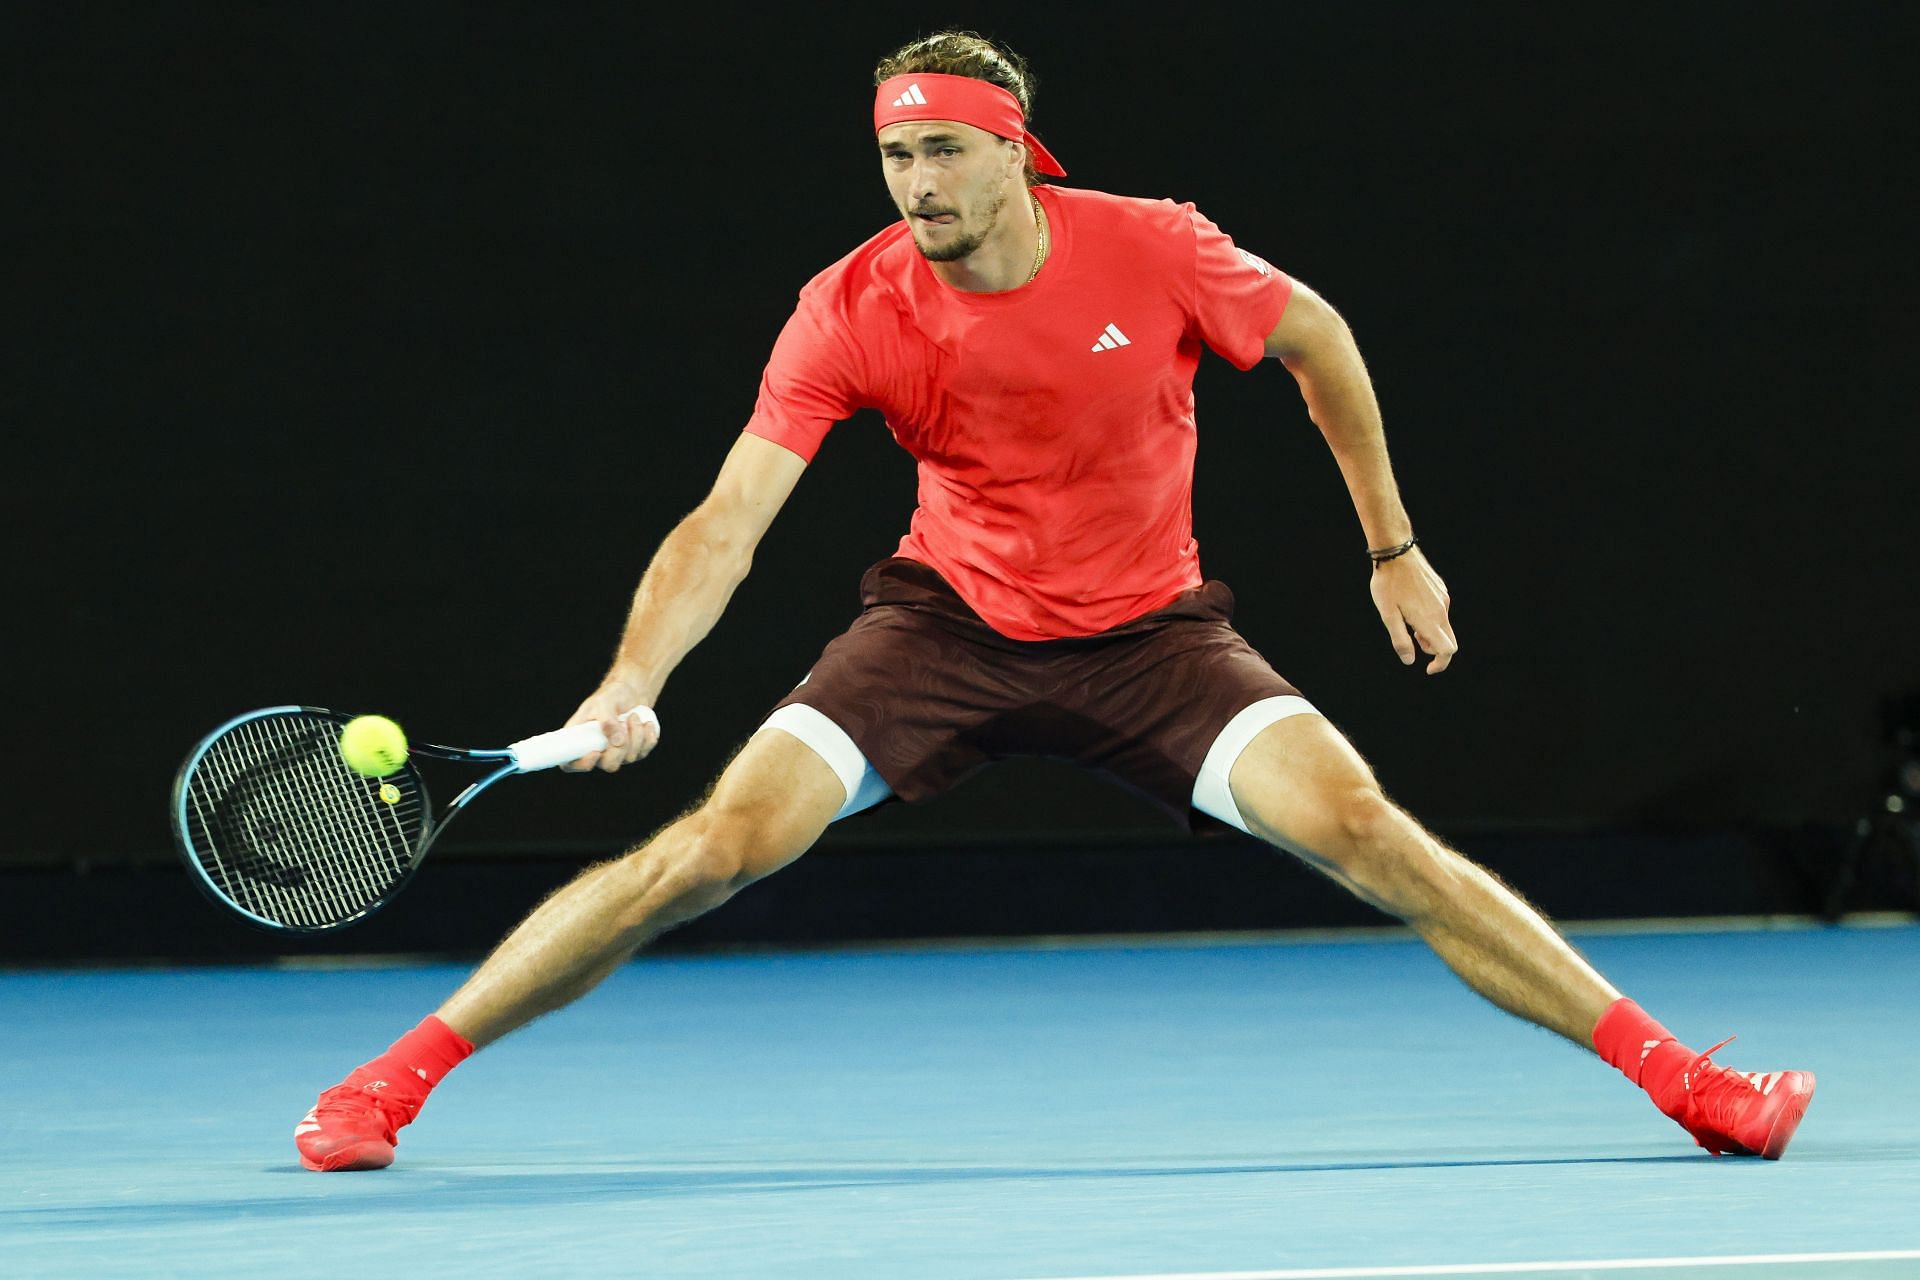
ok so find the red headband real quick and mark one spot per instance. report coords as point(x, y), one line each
point(929, 96)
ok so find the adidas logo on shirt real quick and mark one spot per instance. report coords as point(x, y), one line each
point(912, 97)
point(1110, 338)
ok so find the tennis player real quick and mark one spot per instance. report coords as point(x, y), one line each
point(1033, 347)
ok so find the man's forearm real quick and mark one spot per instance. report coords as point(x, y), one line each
point(682, 594)
point(1333, 381)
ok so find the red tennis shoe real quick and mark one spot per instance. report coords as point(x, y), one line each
point(1738, 1113)
point(355, 1124)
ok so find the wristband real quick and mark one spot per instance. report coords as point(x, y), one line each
point(1383, 554)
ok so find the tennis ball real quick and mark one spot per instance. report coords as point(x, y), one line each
point(373, 746)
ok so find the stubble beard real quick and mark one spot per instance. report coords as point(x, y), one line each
point(962, 246)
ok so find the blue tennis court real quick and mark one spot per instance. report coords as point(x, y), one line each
point(1240, 1108)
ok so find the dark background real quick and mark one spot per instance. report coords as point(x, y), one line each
point(363, 354)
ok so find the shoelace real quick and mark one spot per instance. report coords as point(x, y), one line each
point(1702, 1060)
point(349, 1102)
point(1710, 1123)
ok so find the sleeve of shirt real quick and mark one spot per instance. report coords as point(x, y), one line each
point(1237, 297)
point(808, 383)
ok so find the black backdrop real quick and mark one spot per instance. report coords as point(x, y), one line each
point(362, 354)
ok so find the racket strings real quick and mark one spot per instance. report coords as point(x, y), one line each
point(222, 840)
point(261, 854)
point(286, 831)
point(304, 787)
point(317, 811)
point(283, 779)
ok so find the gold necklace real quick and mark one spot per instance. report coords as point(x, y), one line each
point(1040, 243)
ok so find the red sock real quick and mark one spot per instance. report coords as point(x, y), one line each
point(427, 1052)
point(1644, 1051)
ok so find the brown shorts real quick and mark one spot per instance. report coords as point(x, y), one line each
point(931, 694)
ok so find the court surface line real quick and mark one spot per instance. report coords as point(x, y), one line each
point(1521, 1268)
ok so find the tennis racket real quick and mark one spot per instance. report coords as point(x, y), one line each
point(276, 826)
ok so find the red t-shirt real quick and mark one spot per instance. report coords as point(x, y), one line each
point(1052, 423)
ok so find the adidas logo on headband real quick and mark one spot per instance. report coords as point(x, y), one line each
point(970, 100)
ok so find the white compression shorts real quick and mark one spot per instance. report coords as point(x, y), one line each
point(866, 788)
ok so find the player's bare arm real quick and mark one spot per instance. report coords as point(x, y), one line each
point(1318, 348)
point(685, 589)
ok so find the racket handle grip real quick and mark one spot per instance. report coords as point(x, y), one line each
point(548, 750)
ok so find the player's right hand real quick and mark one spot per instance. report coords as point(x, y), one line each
point(629, 738)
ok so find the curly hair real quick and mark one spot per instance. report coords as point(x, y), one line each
point(964, 53)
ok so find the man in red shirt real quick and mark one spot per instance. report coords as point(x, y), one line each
point(1033, 347)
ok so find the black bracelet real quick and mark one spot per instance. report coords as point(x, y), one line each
point(1385, 554)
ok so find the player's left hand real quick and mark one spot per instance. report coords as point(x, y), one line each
point(1413, 603)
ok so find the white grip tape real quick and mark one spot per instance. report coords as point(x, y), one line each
point(548, 750)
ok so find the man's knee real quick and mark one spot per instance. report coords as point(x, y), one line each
point(706, 860)
point(1357, 834)
point(1364, 822)
point(714, 852)
point(1339, 821)
point(733, 845)
point(767, 808)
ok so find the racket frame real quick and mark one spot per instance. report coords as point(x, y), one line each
point(432, 826)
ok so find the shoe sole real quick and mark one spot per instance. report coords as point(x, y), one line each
point(372, 1154)
point(1784, 1124)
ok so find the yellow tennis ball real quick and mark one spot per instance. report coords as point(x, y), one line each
point(373, 746)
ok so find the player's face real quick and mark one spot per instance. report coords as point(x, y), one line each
point(949, 181)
